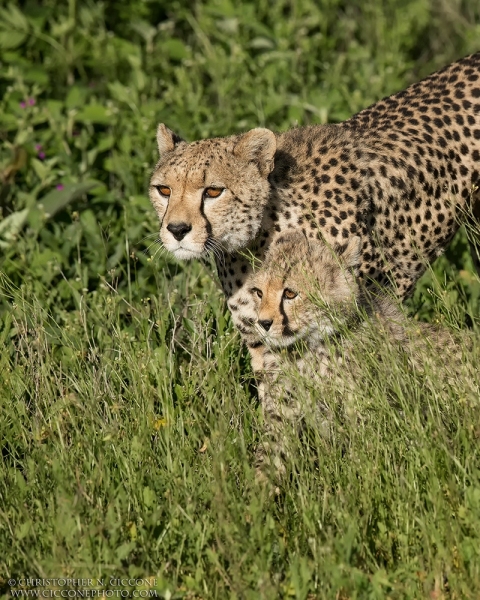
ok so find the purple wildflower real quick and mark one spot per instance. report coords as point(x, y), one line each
point(60, 187)
point(41, 155)
point(23, 105)
point(32, 101)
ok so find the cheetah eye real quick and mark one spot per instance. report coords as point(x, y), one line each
point(289, 294)
point(163, 190)
point(213, 192)
point(257, 292)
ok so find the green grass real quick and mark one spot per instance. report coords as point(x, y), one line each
point(128, 416)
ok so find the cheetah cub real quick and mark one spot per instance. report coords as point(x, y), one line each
point(311, 313)
point(309, 299)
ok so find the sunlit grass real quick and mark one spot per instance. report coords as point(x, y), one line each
point(128, 411)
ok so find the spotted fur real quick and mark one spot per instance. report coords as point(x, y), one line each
point(401, 175)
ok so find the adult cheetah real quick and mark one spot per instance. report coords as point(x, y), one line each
point(401, 175)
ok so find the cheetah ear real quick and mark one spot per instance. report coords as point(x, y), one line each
point(259, 146)
point(350, 254)
point(166, 139)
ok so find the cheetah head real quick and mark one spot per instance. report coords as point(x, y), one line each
point(305, 289)
point(210, 195)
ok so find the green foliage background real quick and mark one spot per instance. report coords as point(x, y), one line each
point(117, 363)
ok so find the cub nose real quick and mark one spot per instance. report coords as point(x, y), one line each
point(179, 230)
point(266, 324)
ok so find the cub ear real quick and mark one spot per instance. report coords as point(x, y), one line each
point(351, 253)
point(166, 139)
point(257, 145)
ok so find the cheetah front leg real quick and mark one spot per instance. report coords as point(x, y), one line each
point(279, 413)
point(282, 414)
point(284, 408)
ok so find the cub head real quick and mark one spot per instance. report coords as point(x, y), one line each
point(304, 288)
point(210, 195)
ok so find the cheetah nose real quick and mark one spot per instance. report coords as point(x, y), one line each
point(179, 230)
point(266, 324)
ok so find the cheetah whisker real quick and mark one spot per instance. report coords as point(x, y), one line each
point(147, 249)
point(160, 250)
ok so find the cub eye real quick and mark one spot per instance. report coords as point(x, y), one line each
point(289, 294)
point(163, 190)
point(212, 192)
point(257, 292)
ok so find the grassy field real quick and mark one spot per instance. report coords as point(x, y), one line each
point(128, 416)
